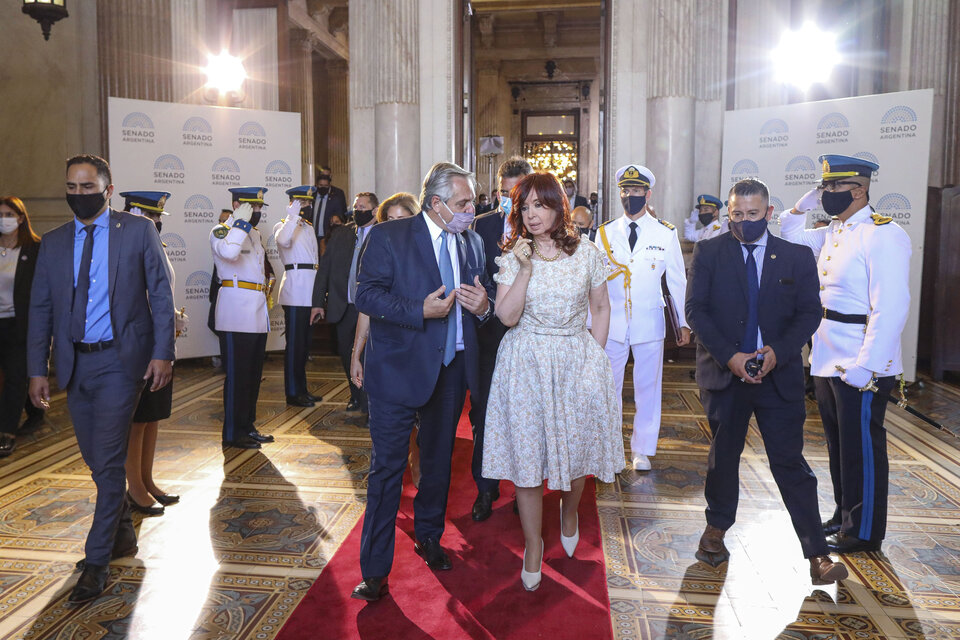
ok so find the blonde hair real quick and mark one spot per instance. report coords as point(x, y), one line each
point(402, 199)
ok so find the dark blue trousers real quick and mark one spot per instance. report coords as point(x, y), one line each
point(243, 362)
point(489, 336)
point(390, 427)
point(781, 425)
point(101, 398)
point(857, 443)
point(297, 321)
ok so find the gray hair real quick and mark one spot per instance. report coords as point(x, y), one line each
point(439, 182)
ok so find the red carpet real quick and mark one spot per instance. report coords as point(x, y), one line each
point(481, 597)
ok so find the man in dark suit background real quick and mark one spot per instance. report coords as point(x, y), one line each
point(90, 294)
point(576, 200)
point(753, 302)
point(492, 227)
point(330, 202)
point(335, 286)
point(424, 284)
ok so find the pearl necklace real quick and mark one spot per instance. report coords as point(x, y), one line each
point(543, 257)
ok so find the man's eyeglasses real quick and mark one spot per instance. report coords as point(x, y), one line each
point(833, 186)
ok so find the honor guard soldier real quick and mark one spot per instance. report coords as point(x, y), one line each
point(242, 314)
point(864, 262)
point(707, 213)
point(297, 245)
point(639, 249)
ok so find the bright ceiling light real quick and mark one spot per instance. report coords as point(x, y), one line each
point(225, 72)
point(805, 57)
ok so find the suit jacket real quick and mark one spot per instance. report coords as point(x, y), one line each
point(330, 285)
point(489, 227)
point(22, 282)
point(716, 306)
point(142, 330)
point(579, 201)
point(336, 205)
point(404, 351)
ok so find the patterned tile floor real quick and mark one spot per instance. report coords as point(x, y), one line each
point(255, 528)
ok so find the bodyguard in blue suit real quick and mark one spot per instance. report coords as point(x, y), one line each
point(753, 302)
point(102, 294)
point(423, 282)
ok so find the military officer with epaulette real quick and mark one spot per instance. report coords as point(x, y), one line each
point(864, 263)
point(707, 213)
point(297, 245)
point(638, 250)
point(242, 314)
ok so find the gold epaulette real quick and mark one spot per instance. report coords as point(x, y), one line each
point(164, 244)
point(666, 224)
point(879, 219)
point(220, 231)
point(715, 227)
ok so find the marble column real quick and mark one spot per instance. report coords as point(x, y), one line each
point(930, 41)
point(759, 25)
point(486, 109)
point(440, 99)
point(364, 39)
point(951, 164)
point(302, 73)
point(396, 110)
point(338, 121)
point(711, 67)
point(188, 28)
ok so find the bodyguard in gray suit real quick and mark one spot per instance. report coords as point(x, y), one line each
point(90, 295)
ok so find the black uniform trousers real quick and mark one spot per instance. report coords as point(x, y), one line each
point(101, 398)
point(13, 362)
point(390, 426)
point(489, 336)
point(297, 323)
point(244, 367)
point(346, 330)
point(857, 444)
point(781, 426)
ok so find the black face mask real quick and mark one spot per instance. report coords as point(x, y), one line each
point(705, 218)
point(306, 210)
point(633, 204)
point(255, 218)
point(748, 230)
point(159, 224)
point(593, 201)
point(836, 202)
point(361, 217)
point(584, 231)
point(86, 205)
point(322, 191)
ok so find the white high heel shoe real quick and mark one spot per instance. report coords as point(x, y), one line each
point(531, 579)
point(569, 544)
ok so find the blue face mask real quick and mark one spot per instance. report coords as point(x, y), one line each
point(506, 204)
point(633, 204)
point(748, 231)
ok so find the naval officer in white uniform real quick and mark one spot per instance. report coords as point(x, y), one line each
point(242, 315)
point(707, 213)
point(297, 246)
point(638, 249)
point(864, 266)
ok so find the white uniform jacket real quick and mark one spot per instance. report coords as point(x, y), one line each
point(238, 256)
point(712, 230)
point(864, 267)
point(638, 303)
point(297, 245)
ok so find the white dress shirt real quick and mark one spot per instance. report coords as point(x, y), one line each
point(452, 242)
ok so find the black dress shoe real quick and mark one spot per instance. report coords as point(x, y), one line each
point(830, 526)
point(299, 401)
point(31, 424)
point(91, 584)
point(842, 543)
point(314, 398)
point(434, 555)
point(371, 589)
point(166, 499)
point(149, 510)
point(7, 444)
point(243, 442)
point(260, 437)
point(483, 505)
point(353, 405)
point(516, 507)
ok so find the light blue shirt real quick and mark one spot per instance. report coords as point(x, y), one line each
point(761, 245)
point(98, 301)
point(352, 278)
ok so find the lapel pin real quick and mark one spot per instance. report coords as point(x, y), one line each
point(773, 256)
point(118, 225)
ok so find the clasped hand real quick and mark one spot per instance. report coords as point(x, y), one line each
point(737, 364)
point(473, 298)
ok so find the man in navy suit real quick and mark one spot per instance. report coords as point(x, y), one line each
point(102, 293)
point(424, 284)
point(753, 301)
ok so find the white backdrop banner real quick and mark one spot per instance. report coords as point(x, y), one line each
point(780, 145)
point(196, 153)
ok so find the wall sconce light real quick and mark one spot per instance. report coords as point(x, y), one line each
point(225, 77)
point(46, 12)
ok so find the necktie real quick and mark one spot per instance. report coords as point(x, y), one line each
point(318, 223)
point(446, 275)
point(352, 279)
point(78, 316)
point(633, 235)
point(749, 344)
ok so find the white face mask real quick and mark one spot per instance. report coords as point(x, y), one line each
point(9, 225)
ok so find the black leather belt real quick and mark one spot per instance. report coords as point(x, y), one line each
point(846, 318)
point(301, 265)
point(90, 347)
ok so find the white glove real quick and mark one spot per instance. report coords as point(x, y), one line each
point(293, 210)
point(136, 211)
point(243, 212)
point(181, 321)
point(694, 215)
point(809, 201)
point(857, 377)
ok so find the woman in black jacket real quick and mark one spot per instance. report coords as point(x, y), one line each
point(18, 258)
